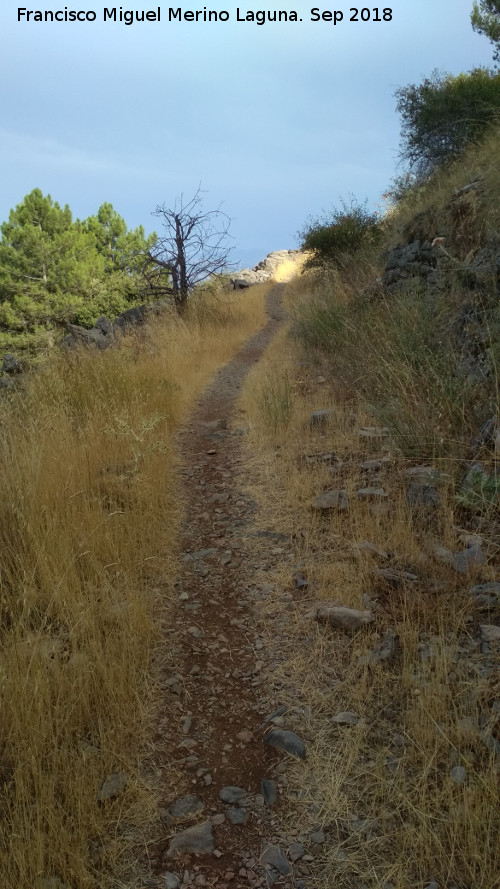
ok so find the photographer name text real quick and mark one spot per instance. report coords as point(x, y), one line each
point(179, 14)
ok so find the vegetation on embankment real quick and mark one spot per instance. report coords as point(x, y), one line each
point(422, 356)
point(88, 531)
point(401, 716)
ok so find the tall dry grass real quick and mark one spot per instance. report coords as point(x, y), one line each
point(88, 522)
point(383, 789)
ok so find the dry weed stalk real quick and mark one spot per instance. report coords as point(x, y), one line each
point(88, 527)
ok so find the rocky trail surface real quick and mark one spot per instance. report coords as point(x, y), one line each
point(219, 730)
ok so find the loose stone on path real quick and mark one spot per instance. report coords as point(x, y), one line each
point(232, 794)
point(269, 791)
point(198, 839)
point(287, 741)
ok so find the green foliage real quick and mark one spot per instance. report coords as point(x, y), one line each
point(481, 494)
point(54, 270)
point(340, 235)
point(122, 250)
point(485, 18)
point(444, 114)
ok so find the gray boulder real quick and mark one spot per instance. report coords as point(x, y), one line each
point(105, 332)
point(81, 336)
point(11, 364)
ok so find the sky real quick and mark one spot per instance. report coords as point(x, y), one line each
point(278, 122)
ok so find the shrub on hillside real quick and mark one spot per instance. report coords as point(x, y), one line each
point(444, 114)
point(343, 233)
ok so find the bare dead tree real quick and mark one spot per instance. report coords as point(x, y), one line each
point(193, 248)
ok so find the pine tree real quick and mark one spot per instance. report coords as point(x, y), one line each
point(485, 18)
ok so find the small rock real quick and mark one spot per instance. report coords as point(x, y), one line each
point(274, 856)
point(296, 851)
point(269, 791)
point(469, 539)
point(232, 794)
point(319, 419)
point(325, 459)
point(371, 494)
point(490, 633)
point(113, 785)
point(12, 365)
point(370, 549)
point(373, 432)
point(170, 880)
point(344, 618)
point(385, 652)
point(458, 775)
point(49, 883)
point(346, 718)
point(317, 836)
point(486, 595)
point(337, 499)
point(198, 839)
point(396, 579)
point(276, 714)
point(422, 474)
point(300, 582)
point(245, 736)
point(285, 740)
point(186, 806)
point(419, 494)
point(375, 465)
point(237, 815)
point(219, 819)
point(271, 875)
point(468, 559)
point(464, 561)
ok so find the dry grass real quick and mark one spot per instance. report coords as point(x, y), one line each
point(88, 524)
point(381, 789)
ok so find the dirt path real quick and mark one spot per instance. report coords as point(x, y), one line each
point(214, 700)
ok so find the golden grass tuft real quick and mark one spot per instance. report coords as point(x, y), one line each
point(88, 524)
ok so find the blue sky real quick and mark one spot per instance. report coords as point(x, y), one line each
point(276, 121)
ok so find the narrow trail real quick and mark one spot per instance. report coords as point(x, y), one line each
point(214, 700)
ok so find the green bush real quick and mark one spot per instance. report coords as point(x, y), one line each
point(331, 240)
point(444, 114)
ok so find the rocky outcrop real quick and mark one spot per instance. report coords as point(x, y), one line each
point(105, 331)
point(417, 260)
point(263, 271)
